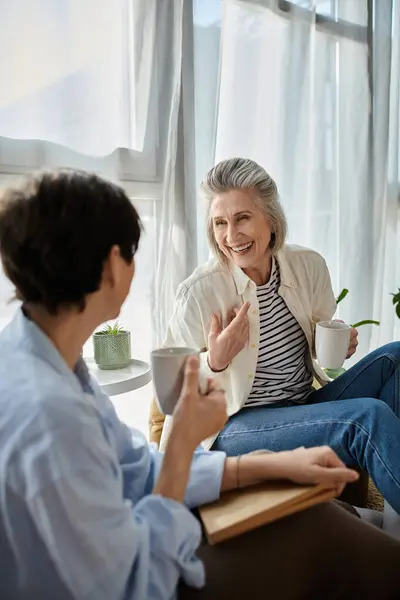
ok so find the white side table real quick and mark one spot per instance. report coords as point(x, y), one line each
point(120, 381)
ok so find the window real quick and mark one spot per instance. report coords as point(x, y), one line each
point(73, 78)
point(80, 89)
point(351, 11)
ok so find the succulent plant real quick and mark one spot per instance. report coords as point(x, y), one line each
point(111, 329)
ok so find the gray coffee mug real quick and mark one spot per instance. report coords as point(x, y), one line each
point(168, 369)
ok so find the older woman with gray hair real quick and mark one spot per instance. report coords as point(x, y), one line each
point(252, 310)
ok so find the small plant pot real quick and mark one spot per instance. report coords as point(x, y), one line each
point(112, 351)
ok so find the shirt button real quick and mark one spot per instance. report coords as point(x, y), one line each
point(253, 345)
point(254, 311)
point(250, 375)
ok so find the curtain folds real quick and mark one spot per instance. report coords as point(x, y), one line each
point(385, 167)
point(310, 89)
point(177, 230)
point(314, 98)
point(77, 73)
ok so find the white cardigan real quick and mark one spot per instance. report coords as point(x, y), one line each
point(212, 288)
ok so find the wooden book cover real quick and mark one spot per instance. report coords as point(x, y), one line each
point(248, 508)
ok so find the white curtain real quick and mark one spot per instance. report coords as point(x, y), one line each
point(157, 45)
point(177, 233)
point(296, 88)
point(77, 72)
point(386, 168)
point(207, 18)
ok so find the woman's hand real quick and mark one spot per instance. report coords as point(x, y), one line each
point(314, 465)
point(197, 416)
point(225, 344)
point(353, 342)
point(304, 466)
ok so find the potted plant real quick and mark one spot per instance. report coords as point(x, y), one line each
point(112, 347)
point(334, 373)
point(341, 297)
point(396, 302)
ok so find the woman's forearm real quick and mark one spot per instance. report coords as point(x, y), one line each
point(175, 470)
point(249, 469)
point(212, 366)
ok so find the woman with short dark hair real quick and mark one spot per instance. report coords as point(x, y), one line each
point(88, 510)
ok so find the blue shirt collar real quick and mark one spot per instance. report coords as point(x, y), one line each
point(24, 332)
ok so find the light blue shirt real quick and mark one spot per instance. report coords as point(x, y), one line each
point(77, 516)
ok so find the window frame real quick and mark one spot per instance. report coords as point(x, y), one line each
point(128, 166)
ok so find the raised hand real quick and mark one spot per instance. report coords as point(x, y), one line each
point(197, 416)
point(225, 344)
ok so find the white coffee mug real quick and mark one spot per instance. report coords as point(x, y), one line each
point(332, 340)
point(168, 368)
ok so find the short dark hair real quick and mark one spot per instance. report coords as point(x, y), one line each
point(57, 230)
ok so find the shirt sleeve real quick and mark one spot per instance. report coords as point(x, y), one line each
point(324, 301)
point(141, 463)
point(104, 546)
point(205, 478)
point(186, 328)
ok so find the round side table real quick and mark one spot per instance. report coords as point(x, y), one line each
point(120, 381)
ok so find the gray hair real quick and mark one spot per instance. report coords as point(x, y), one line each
point(245, 174)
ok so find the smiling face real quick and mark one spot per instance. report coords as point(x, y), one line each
point(241, 228)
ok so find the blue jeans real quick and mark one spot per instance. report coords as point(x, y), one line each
point(357, 415)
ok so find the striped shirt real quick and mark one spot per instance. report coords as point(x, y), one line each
point(282, 372)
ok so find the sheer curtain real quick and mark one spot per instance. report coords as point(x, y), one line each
point(70, 83)
point(134, 126)
point(207, 18)
point(77, 73)
point(385, 58)
point(176, 234)
point(120, 104)
point(296, 94)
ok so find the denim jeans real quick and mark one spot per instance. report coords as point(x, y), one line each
point(357, 415)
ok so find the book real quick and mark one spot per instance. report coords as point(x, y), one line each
point(245, 509)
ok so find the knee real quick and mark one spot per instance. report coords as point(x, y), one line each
point(375, 407)
point(369, 410)
point(374, 411)
point(393, 349)
point(370, 420)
